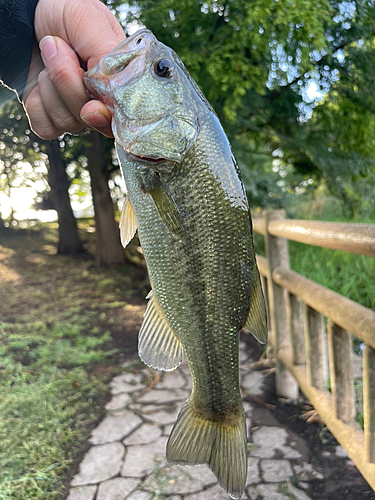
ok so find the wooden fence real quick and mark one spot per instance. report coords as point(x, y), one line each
point(308, 353)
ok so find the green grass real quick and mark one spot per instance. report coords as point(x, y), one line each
point(44, 416)
point(62, 345)
point(58, 320)
point(47, 401)
point(349, 274)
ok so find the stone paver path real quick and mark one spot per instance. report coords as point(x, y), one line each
point(127, 456)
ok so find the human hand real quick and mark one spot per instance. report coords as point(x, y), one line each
point(73, 36)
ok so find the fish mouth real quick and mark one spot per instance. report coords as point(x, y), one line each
point(128, 147)
point(100, 79)
point(96, 86)
point(97, 80)
point(92, 95)
point(145, 159)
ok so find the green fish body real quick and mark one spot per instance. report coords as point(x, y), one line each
point(186, 198)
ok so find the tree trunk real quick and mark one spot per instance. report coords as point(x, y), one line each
point(108, 246)
point(69, 242)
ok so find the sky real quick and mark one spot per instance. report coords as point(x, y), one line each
point(22, 198)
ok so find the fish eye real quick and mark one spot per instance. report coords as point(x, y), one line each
point(163, 68)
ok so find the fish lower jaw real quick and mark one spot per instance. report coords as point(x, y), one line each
point(144, 159)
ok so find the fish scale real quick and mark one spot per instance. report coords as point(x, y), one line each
point(188, 202)
point(182, 271)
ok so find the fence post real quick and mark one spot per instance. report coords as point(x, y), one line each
point(369, 402)
point(278, 256)
point(316, 349)
point(341, 370)
point(296, 329)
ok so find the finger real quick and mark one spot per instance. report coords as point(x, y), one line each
point(55, 107)
point(65, 75)
point(88, 26)
point(101, 32)
point(36, 66)
point(97, 117)
point(64, 72)
point(40, 122)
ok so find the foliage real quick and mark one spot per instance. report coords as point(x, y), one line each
point(24, 160)
point(291, 80)
point(258, 62)
point(229, 47)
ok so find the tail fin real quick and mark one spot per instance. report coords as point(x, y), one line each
point(195, 440)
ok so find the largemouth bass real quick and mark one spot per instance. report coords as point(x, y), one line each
point(186, 197)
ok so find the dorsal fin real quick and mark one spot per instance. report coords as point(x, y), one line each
point(158, 346)
point(256, 322)
point(128, 223)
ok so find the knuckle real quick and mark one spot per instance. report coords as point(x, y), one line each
point(46, 133)
point(43, 77)
point(56, 108)
point(40, 124)
point(67, 122)
point(60, 77)
point(44, 130)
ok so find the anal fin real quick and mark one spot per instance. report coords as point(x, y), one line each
point(158, 346)
point(256, 322)
point(128, 223)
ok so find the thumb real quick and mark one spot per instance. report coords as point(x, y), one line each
point(64, 71)
point(87, 25)
point(65, 74)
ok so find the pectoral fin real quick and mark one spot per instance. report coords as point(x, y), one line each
point(166, 206)
point(256, 322)
point(128, 223)
point(158, 346)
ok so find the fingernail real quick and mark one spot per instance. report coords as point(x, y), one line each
point(95, 119)
point(48, 48)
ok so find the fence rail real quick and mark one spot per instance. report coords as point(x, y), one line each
point(355, 238)
point(308, 353)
